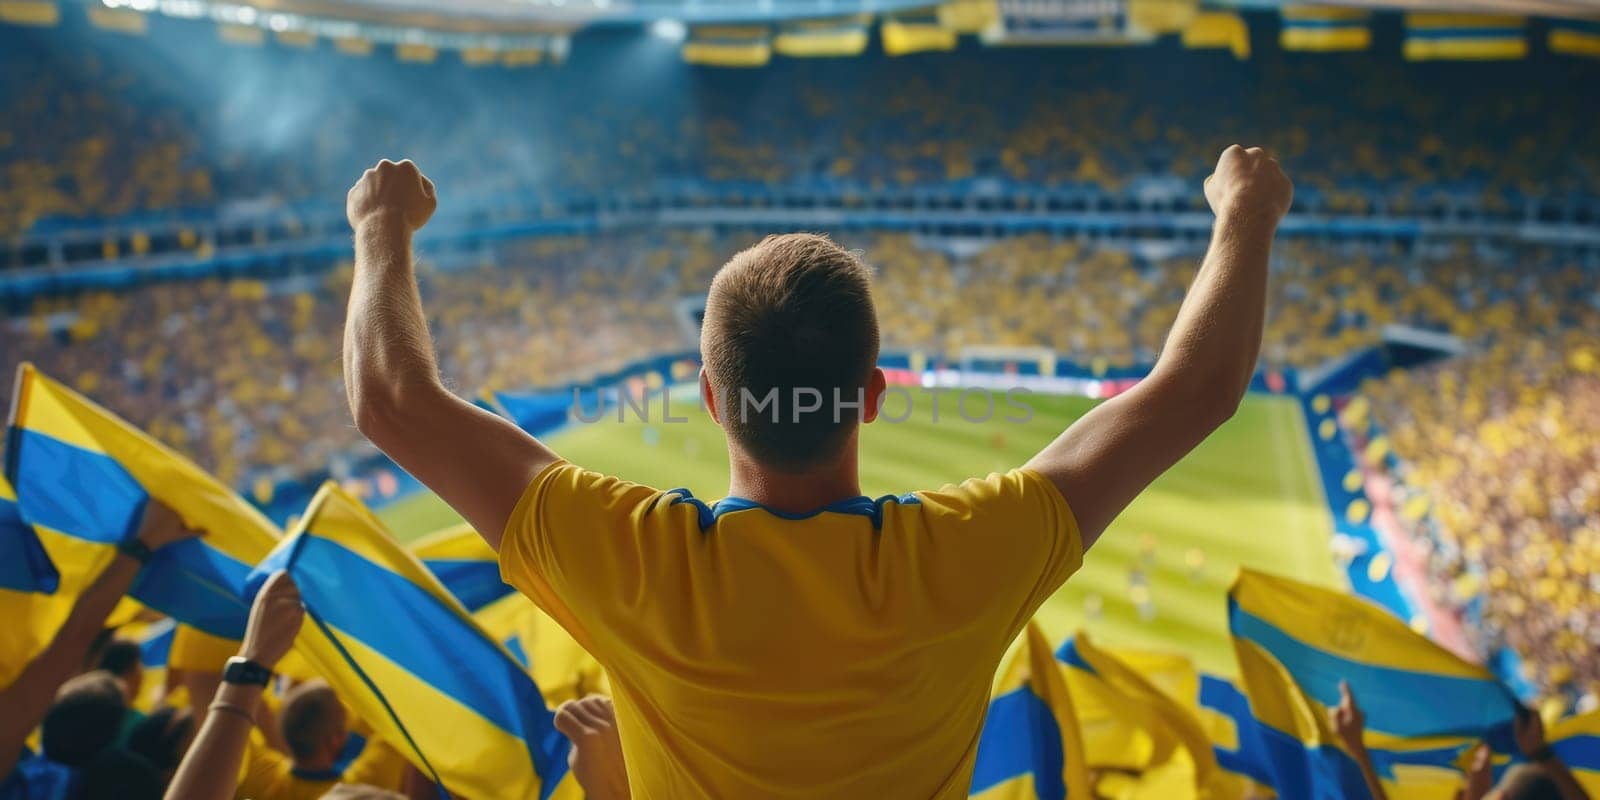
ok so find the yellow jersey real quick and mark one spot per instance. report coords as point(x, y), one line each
point(267, 774)
point(844, 653)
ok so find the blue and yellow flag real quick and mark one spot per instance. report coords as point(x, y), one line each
point(1324, 29)
point(728, 46)
point(559, 665)
point(406, 656)
point(1225, 715)
point(465, 564)
point(82, 477)
point(834, 37)
point(1181, 761)
point(24, 565)
point(1415, 693)
point(1303, 755)
point(1472, 37)
point(1574, 37)
point(155, 644)
point(1576, 741)
point(1030, 746)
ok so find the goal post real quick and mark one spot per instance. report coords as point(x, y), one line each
point(1000, 359)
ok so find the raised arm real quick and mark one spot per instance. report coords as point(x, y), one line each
point(1350, 724)
point(25, 702)
point(1111, 454)
point(210, 770)
point(1528, 728)
point(477, 462)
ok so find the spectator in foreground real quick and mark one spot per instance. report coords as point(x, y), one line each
point(162, 738)
point(1350, 723)
point(211, 768)
point(596, 755)
point(122, 774)
point(122, 659)
point(315, 726)
point(1542, 777)
point(798, 607)
point(27, 702)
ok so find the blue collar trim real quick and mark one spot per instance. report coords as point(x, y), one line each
point(861, 506)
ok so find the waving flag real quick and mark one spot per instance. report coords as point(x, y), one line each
point(1303, 755)
point(1182, 759)
point(1030, 746)
point(559, 665)
point(404, 653)
point(80, 472)
point(1576, 741)
point(465, 564)
point(24, 565)
point(1225, 713)
point(1411, 688)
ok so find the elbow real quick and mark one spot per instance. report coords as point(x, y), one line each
point(1209, 401)
point(373, 416)
point(1219, 405)
point(1217, 401)
point(380, 409)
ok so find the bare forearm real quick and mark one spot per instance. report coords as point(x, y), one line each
point(1369, 774)
point(387, 349)
point(1217, 337)
point(1566, 783)
point(210, 770)
point(23, 704)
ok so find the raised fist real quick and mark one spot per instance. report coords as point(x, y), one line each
point(275, 619)
point(161, 526)
point(1348, 720)
point(1249, 185)
point(391, 190)
point(596, 755)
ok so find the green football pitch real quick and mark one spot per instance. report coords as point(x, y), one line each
point(1248, 496)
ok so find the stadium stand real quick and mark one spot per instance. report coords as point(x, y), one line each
point(1495, 456)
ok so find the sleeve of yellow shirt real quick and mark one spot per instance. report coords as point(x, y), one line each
point(575, 536)
point(1000, 544)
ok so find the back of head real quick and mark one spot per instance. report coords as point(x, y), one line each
point(120, 658)
point(84, 720)
point(790, 320)
point(123, 659)
point(162, 737)
point(311, 718)
point(1527, 782)
point(120, 774)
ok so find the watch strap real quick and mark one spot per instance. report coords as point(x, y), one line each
point(243, 670)
point(136, 550)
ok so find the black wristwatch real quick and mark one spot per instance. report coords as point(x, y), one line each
point(136, 550)
point(243, 670)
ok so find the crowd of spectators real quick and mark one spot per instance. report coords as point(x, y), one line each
point(244, 373)
point(1496, 457)
point(103, 125)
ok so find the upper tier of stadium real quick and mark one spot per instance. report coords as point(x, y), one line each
point(182, 141)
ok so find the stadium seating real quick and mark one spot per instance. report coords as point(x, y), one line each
point(191, 131)
point(1498, 458)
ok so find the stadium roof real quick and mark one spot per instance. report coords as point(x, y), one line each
point(1572, 9)
point(567, 15)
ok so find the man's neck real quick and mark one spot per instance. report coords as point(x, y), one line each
point(795, 493)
